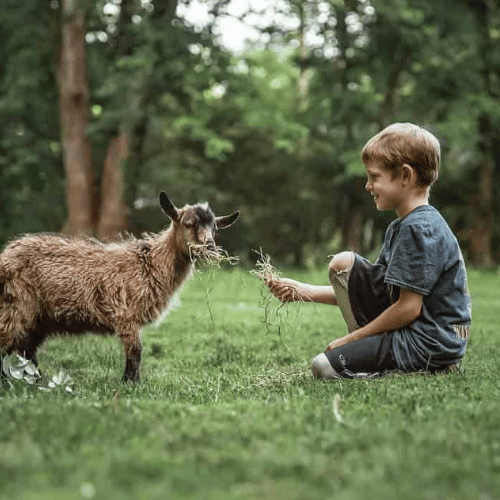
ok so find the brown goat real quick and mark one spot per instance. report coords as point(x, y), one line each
point(52, 283)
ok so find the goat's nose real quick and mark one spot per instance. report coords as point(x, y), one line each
point(210, 243)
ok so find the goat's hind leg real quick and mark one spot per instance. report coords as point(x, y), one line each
point(19, 331)
point(28, 346)
point(133, 349)
point(14, 337)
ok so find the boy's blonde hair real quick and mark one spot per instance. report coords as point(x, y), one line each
point(405, 143)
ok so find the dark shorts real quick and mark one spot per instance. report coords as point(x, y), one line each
point(370, 355)
point(369, 295)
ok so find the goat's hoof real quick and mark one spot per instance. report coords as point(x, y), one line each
point(130, 377)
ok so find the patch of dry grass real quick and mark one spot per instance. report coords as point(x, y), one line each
point(210, 256)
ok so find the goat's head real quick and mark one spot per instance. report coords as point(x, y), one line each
point(196, 225)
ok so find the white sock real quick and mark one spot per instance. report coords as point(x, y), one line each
point(322, 368)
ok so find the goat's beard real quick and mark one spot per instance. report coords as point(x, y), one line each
point(209, 255)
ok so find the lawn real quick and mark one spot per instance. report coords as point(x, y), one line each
point(227, 409)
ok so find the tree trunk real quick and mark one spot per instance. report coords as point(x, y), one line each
point(481, 232)
point(386, 109)
point(73, 105)
point(352, 229)
point(113, 213)
point(482, 209)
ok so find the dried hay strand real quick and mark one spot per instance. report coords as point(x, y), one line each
point(210, 256)
point(267, 273)
point(263, 268)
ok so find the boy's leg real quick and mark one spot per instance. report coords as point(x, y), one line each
point(339, 272)
point(369, 355)
point(322, 368)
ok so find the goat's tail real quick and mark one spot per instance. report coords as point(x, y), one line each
point(6, 339)
point(3, 278)
point(3, 333)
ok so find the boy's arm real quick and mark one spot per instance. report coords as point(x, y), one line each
point(288, 290)
point(405, 310)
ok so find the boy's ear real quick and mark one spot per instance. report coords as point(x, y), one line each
point(407, 173)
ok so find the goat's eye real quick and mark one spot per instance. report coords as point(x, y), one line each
point(188, 225)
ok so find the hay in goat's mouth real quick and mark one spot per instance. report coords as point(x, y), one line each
point(210, 256)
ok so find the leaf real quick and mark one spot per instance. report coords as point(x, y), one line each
point(19, 368)
point(6, 365)
point(60, 379)
point(16, 372)
point(336, 409)
point(31, 369)
point(30, 379)
point(21, 362)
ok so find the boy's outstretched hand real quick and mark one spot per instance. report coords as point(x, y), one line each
point(287, 290)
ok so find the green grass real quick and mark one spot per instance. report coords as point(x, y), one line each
point(227, 409)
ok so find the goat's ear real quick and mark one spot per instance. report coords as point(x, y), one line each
point(226, 220)
point(167, 206)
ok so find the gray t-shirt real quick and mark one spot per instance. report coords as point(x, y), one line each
point(421, 254)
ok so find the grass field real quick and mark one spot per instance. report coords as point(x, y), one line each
point(227, 409)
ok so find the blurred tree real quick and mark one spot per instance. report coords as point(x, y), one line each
point(148, 102)
point(483, 206)
point(74, 109)
point(31, 174)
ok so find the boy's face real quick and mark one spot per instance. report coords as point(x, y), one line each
point(385, 187)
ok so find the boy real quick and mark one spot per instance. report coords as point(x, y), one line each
point(410, 310)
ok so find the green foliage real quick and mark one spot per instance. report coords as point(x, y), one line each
point(227, 408)
point(275, 131)
point(31, 179)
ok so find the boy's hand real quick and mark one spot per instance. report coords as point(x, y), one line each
point(336, 343)
point(287, 290)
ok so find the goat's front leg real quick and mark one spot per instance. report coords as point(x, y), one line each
point(133, 348)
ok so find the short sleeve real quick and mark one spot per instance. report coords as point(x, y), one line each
point(416, 260)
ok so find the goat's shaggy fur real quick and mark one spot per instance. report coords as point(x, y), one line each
point(51, 283)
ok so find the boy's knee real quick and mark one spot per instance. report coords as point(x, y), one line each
point(322, 368)
point(341, 262)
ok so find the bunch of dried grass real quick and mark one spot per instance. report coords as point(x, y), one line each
point(210, 256)
point(264, 270)
point(267, 273)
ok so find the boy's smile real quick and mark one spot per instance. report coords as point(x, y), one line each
point(384, 186)
point(395, 190)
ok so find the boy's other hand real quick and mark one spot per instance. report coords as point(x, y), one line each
point(336, 343)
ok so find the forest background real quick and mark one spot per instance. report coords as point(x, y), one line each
point(103, 103)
